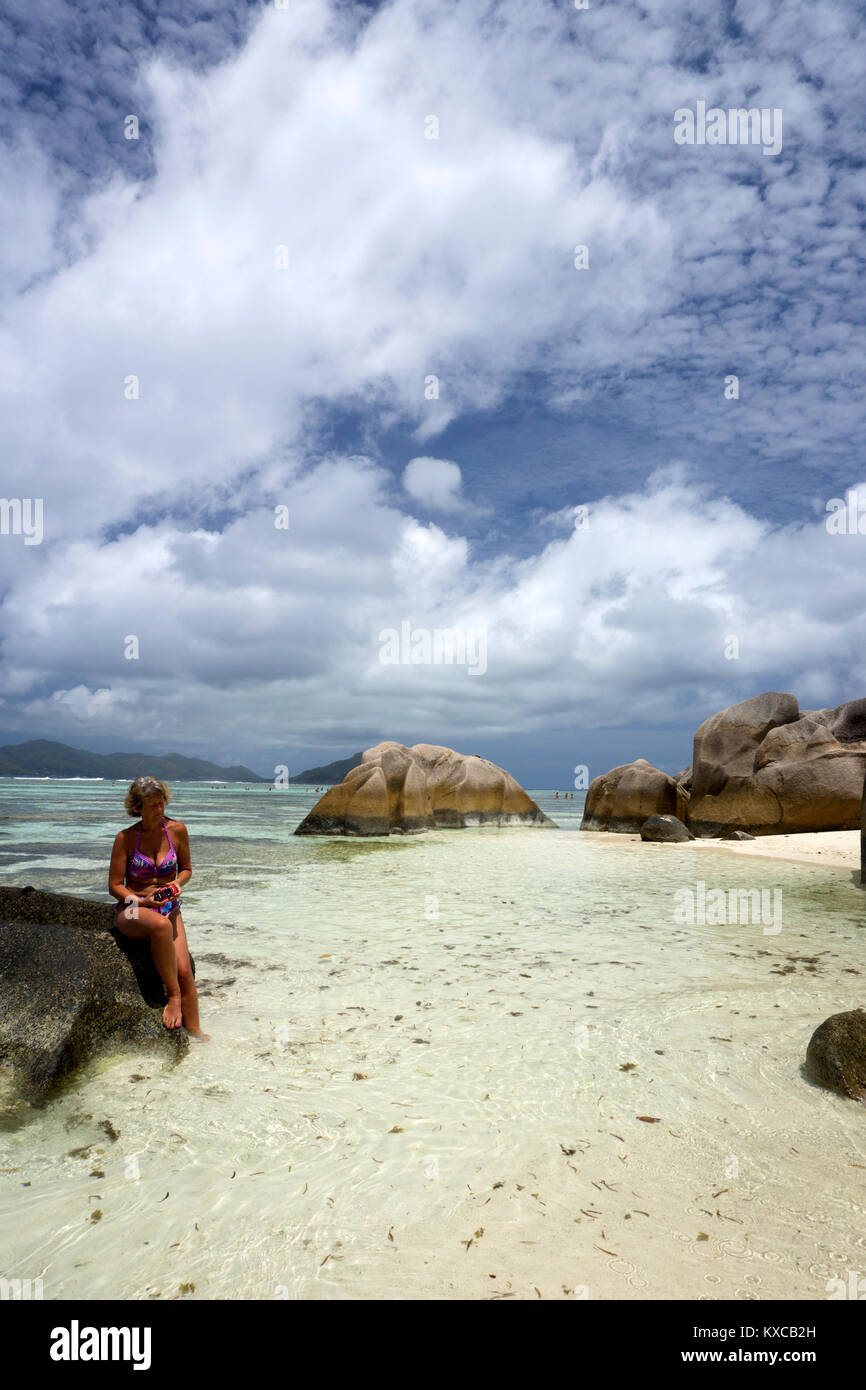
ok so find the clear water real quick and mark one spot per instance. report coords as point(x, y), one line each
point(417, 1039)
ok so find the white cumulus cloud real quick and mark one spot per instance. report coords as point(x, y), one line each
point(436, 483)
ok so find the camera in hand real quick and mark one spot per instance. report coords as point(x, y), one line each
point(171, 890)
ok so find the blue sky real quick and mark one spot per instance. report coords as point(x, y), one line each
point(302, 384)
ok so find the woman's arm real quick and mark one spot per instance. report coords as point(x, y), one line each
point(117, 870)
point(181, 849)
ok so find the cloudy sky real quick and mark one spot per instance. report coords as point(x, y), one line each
point(305, 352)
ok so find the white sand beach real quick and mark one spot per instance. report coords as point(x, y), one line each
point(832, 849)
point(835, 849)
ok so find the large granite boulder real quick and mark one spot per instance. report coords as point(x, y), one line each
point(725, 744)
point(765, 767)
point(624, 798)
point(836, 1055)
point(72, 988)
point(665, 830)
point(403, 791)
point(762, 766)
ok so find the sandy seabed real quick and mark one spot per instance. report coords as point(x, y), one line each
point(475, 1066)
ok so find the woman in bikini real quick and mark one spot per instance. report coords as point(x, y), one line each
point(146, 858)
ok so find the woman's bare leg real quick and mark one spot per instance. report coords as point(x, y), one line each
point(186, 979)
point(158, 929)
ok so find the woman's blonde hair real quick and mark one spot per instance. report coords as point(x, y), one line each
point(141, 788)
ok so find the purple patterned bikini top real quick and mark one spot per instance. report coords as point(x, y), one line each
point(141, 867)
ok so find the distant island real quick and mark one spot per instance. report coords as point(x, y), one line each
point(43, 758)
point(331, 773)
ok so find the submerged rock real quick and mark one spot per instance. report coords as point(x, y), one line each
point(403, 791)
point(665, 830)
point(72, 988)
point(623, 799)
point(836, 1055)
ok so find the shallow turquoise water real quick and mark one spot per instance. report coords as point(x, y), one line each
point(399, 1024)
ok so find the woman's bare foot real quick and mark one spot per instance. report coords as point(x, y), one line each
point(171, 1014)
point(189, 1005)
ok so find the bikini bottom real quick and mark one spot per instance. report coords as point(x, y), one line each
point(168, 906)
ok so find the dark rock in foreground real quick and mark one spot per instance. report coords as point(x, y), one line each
point(72, 988)
point(737, 835)
point(403, 791)
point(665, 830)
point(836, 1055)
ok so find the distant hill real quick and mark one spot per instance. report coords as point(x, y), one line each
point(42, 758)
point(331, 773)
